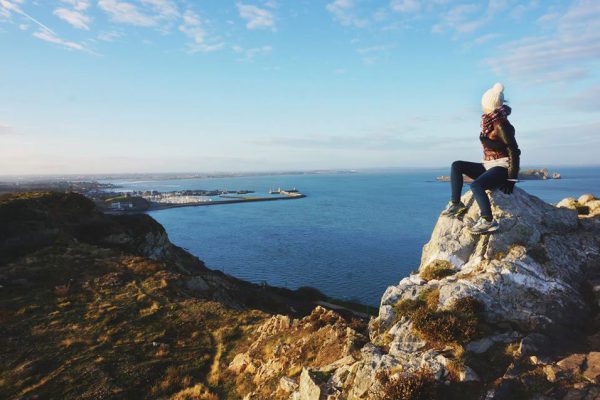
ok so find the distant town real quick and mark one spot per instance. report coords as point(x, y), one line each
point(109, 199)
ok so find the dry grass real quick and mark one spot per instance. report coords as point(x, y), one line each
point(437, 269)
point(120, 331)
point(197, 392)
point(420, 385)
point(459, 324)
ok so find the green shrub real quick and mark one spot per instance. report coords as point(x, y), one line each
point(437, 269)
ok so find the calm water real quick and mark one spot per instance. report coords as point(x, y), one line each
point(351, 237)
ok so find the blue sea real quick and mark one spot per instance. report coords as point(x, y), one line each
point(352, 236)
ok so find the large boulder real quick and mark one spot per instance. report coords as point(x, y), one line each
point(527, 274)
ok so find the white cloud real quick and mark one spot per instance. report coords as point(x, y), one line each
point(126, 13)
point(109, 36)
point(75, 18)
point(251, 53)
point(460, 19)
point(405, 6)
point(193, 28)
point(8, 7)
point(344, 11)
point(567, 53)
point(49, 36)
point(257, 18)
point(164, 9)
point(486, 38)
point(588, 100)
point(78, 5)
point(44, 32)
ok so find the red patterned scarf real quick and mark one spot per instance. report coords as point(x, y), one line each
point(488, 120)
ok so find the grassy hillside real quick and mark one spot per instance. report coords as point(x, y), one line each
point(98, 306)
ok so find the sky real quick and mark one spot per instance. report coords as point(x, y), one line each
point(125, 86)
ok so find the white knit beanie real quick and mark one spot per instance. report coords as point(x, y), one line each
point(492, 98)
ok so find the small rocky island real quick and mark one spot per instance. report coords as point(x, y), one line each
point(524, 175)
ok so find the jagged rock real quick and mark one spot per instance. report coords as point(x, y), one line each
point(197, 283)
point(288, 385)
point(527, 277)
point(569, 202)
point(592, 369)
point(594, 206)
point(468, 375)
point(365, 371)
point(532, 343)
point(240, 363)
point(479, 346)
point(509, 272)
point(309, 389)
point(551, 372)
point(405, 340)
point(572, 363)
point(584, 198)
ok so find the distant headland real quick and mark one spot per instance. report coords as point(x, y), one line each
point(524, 175)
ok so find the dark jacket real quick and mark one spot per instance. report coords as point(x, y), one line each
point(501, 143)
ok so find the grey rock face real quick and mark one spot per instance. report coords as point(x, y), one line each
point(528, 275)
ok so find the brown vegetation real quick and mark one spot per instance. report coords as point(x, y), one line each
point(437, 269)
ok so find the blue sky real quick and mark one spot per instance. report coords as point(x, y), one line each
point(106, 86)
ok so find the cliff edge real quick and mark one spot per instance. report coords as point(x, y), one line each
point(512, 315)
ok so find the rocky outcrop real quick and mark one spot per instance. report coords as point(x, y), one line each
point(316, 345)
point(493, 313)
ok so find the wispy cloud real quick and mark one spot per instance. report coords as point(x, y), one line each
point(109, 36)
point(344, 11)
point(460, 19)
point(8, 7)
point(193, 28)
point(73, 17)
point(127, 13)
point(44, 32)
point(566, 53)
point(405, 6)
point(587, 100)
point(256, 17)
point(250, 54)
point(50, 36)
point(78, 5)
point(388, 139)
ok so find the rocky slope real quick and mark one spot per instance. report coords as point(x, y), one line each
point(513, 315)
point(96, 306)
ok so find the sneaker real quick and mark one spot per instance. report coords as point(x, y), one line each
point(482, 226)
point(452, 209)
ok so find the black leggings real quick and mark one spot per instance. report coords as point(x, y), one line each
point(484, 180)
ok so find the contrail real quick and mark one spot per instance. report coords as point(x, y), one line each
point(12, 7)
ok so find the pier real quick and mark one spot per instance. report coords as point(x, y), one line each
point(230, 200)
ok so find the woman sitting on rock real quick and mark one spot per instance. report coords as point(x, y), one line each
point(499, 167)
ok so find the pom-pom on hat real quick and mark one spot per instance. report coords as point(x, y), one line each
point(492, 98)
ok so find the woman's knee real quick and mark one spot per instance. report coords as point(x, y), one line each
point(457, 165)
point(476, 186)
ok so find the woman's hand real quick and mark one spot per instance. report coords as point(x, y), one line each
point(508, 187)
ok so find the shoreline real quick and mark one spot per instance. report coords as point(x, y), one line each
point(165, 206)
